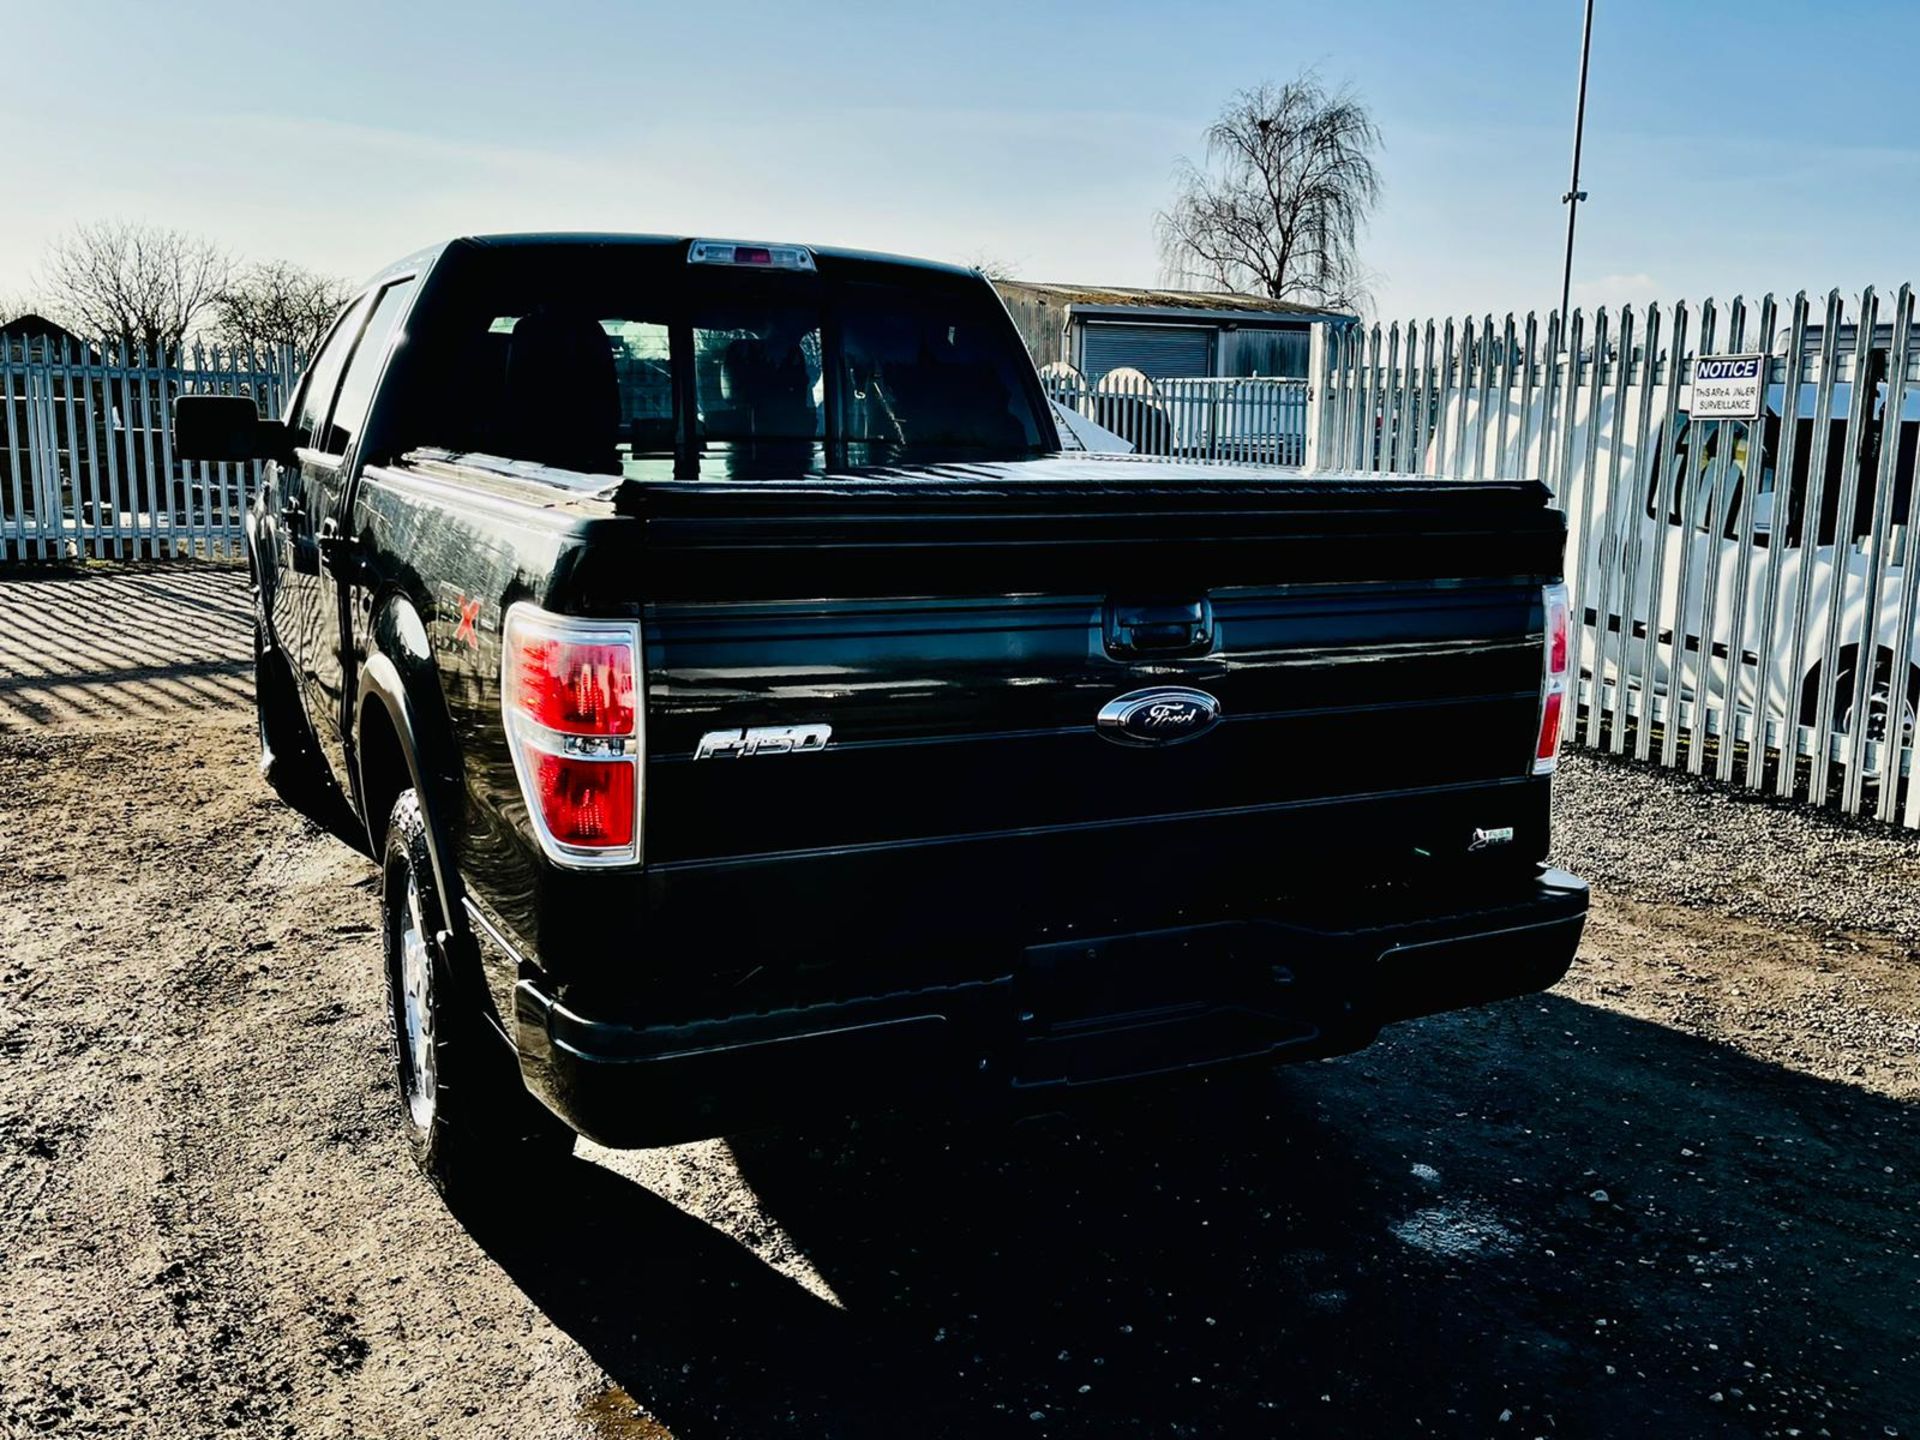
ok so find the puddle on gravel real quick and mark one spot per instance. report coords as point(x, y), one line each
point(1456, 1232)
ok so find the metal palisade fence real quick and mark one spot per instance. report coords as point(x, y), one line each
point(87, 464)
point(86, 448)
point(1744, 592)
point(1251, 419)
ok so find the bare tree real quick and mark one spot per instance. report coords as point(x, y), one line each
point(275, 302)
point(991, 265)
point(139, 284)
point(17, 303)
point(1279, 207)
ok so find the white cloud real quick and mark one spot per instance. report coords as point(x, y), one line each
point(1639, 288)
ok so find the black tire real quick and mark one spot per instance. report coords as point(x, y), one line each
point(1879, 705)
point(473, 1129)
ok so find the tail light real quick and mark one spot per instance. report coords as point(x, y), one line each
point(571, 700)
point(1553, 680)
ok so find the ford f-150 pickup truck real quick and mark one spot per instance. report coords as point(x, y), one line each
point(755, 713)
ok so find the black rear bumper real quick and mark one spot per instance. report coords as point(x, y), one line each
point(1300, 982)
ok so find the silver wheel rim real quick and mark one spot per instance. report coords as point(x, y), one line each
point(416, 1006)
point(1879, 706)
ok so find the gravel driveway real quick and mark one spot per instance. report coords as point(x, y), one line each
point(1675, 1196)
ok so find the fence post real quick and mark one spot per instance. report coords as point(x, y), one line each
point(1878, 551)
point(1608, 553)
point(43, 463)
point(1829, 688)
point(1777, 547)
point(1802, 611)
point(1754, 468)
point(13, 545)
point(1579, 508)
point(1318, 381)
point(1646, 470)
point(1717, 501)
point(1904, 555)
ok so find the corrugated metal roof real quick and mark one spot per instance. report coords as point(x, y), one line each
point(1129, 297)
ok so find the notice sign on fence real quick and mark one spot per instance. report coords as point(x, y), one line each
point(1728, 387)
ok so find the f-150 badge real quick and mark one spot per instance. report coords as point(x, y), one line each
point(763, 740)
point(1163, 715)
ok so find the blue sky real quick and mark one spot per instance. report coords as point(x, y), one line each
point(1730, 146)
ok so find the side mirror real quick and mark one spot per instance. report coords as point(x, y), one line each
point(226, 428)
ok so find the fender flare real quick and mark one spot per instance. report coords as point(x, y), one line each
point(399, 675)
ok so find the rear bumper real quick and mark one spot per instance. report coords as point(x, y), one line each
point(1297, 983)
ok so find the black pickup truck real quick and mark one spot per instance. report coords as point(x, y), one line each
point(755, 712)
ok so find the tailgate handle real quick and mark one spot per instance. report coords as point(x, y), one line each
point(1159, 627)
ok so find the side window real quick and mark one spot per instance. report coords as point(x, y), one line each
point(1741, 467)
point(1903, 470)
point(1678, 466)
point(356, 390)
point(323, 375)
point(1838, 464)
point(1697, 447)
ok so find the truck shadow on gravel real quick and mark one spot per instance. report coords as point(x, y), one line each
point(1544, 1213)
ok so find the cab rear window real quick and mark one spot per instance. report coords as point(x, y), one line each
point(656, 367)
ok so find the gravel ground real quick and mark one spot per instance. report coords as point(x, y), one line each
point(1674, 1196)
point(1667, 836)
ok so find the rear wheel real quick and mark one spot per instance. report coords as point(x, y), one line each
point(471, 1125)
point(1880, 698)
point(1880, 704)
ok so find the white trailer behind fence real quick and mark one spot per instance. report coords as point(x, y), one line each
point(86, 449)
point(1746, 603)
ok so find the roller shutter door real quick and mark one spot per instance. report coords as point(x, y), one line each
point(1158, 351)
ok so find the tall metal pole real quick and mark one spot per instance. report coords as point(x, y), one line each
point(1575, 194)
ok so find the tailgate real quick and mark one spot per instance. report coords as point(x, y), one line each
point(960, 635)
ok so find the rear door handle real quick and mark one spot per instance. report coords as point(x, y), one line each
point(1159, 627)
point(337, 550)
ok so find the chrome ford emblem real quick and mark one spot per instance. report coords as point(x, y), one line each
point(1164, 715)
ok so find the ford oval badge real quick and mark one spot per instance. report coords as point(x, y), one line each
point(1164, 715)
